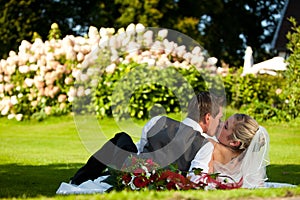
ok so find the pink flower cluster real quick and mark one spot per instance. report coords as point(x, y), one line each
point(41, 76)
point(41, 72)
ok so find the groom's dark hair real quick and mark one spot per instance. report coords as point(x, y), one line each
point(203, 103)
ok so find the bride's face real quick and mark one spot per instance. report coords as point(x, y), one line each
point(226, 132)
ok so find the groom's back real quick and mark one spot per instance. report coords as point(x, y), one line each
point(172, 142)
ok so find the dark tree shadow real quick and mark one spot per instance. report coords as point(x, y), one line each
point(34, 180)
point(284, 174)
point(43, 180)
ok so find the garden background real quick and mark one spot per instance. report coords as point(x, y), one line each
point(46, 85)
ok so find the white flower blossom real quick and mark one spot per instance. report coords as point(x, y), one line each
point(8, 87)
point(71, 99)
point(197, 60)
point(93, 32)
point(110, 31)
point(68, 80)
point(14, 100)
point(1, 88)
point(76, 73)
point(61, 98)
point(149, 61)
point(20, 95)
point(212, 60)
point(10, 69)
point(110, 68)
point(32, 59)
point(140, 28)
point(121, 30)
point(25, 45)
point(5, 110)
point(34, 103)
point(80, 91)
point(62, 106)
point(24, 69)
point(80, 57)
point(7, 79)
point(19, 117)
point(196, 50)
point(162, 33)
point(12, 53)
point(84, 77)
point(180, 50)
point(103, 32)
point(94, 82)
point(169, 46)
point(33, 67)
point(187, 56)
point(48, 110)
point(278, 91)
point(87, 92)
point(11, 116)
point(130, 29)
point(72, 92)
point(126, 40)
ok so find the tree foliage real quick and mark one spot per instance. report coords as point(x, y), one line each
point(292, 89)
point(223, 27)
point(21, 20)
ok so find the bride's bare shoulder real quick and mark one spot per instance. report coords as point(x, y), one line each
point(217, 150)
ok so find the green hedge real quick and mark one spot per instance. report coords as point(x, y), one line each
point(140, 91)
point(260, 96)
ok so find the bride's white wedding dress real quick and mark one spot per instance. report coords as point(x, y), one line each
point(251, 165)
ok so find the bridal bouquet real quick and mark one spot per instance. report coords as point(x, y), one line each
point(140, 174)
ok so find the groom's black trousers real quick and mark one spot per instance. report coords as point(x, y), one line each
point(113, 153)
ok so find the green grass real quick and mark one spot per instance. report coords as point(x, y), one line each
point(37, 156)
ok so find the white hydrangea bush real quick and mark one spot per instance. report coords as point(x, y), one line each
point(40, 79)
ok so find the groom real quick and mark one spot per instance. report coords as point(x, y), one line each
point(163, 139)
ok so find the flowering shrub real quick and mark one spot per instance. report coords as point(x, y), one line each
point(260, 96)
point(38, 80)
point(46, 78)
point(133, 71)
point(141, 173)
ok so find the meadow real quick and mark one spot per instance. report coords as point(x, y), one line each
point(37, 156)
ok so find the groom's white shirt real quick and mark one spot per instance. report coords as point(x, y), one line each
point(202, 157)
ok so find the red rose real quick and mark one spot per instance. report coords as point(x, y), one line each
point(126, 178)
point(171, 186)
point(153, 177)
point(140, 182)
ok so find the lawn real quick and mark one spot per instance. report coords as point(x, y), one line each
point(37, 156)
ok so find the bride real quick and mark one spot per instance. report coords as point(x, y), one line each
point(240, 152)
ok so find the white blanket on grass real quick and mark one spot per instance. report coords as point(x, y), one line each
point(87, 187)
point(97, 186)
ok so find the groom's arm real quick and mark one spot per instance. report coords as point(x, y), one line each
point(201, 161)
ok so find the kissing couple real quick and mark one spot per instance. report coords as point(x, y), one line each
point(237, 148)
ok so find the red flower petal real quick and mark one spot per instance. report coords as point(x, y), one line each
point(126, 178)
point(140, 182)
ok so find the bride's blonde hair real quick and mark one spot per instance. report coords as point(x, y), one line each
point(244, 129)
